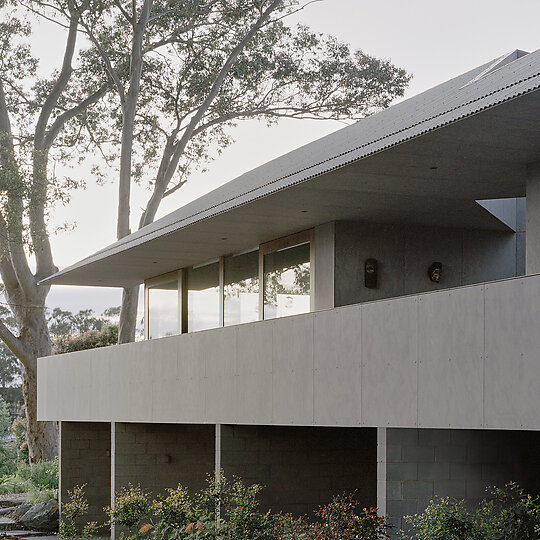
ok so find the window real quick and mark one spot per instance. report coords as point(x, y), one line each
point(203, 297)
point(287, 281)
point(241, 288)
point(272, 281)
point(163, 307)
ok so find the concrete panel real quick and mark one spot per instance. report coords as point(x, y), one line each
point(292, 370)
point(254, 365)
point(512, 349)
point(324, 266)
point(218, 351)
point(349, 366)
point(488, 255)
point(338, 366)
point(191, 373)
point(450, 358)
point(533, 219)
point(165, 382)
point(389, 362)
point(138, 379)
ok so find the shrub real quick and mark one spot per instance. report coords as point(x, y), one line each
point(510, 515)
point(76, 507)
point(132, 506)
point(18, 428)
point(92, 339)
point(443, 519)
point(42, 476)
point(343, 518)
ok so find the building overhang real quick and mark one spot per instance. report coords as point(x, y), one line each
point(425, 161)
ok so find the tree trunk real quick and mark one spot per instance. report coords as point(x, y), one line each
point(42, 437)
point(128, 315)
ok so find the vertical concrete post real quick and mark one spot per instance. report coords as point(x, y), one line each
point(381, 470)
point(113, 473)
point(532, 235)
point(60, 501)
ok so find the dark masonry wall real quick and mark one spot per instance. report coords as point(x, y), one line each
point(160, 456)
point(301, 468)
point(85, 458)
point(405, 252)
point(423, 463)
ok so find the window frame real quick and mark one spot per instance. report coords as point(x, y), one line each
point(292, 240)
point(265, 248)
point(158, 280)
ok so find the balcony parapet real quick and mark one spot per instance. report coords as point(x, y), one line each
point(467, 357)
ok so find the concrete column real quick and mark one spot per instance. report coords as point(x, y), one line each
point(533, 220)
point(85, 450)
point(381, 470)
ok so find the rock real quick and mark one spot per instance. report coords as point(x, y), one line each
point(42, 516)
point(21, 510)
point(11, 500)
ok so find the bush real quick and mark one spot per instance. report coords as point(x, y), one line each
point(32, 479)
point(76, 507)
point(92, 339)
point(132, 506)
point(177, 515)
point(510, 515)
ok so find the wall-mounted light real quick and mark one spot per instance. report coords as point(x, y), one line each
point(370, 273)
point(434, 272)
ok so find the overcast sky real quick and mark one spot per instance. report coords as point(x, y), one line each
point(432, 39)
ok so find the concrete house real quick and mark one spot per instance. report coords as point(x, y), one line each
point(360, 313)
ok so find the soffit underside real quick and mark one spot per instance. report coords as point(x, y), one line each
point(432, 180)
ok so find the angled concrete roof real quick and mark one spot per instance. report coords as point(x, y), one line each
point(424, 160)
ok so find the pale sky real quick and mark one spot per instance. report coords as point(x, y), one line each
point(432, 39)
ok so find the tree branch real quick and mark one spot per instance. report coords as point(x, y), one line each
point(14, 344)
point(162, 182)
point(61, 120)
point(59, 86)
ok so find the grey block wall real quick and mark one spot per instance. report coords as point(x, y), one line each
point(405, 252)
point(160, 456)
point(85, 458)
point(424, 463)
point(302, 467)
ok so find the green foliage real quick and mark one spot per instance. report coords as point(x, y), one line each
point(40, 480)
point(65, 323)
point(510, 515)
point(132, 505)
point(180, 516)
point(18, 428)
point(343, 518)
point(92, 339)
point(42, 475)
point(76, 507)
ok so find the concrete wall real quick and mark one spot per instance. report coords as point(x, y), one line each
point(533, 218)
point(404, 254)
point(324, 244)
point(85, 458)
point(301, 467)
point(423, 463)
point(373, 364)
point(159, 456)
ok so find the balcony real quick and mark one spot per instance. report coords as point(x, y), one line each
point(464, 358)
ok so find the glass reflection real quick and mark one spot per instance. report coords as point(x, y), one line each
point(163, 309)
point(287, 282)
point(203, 297)
point(241, 288)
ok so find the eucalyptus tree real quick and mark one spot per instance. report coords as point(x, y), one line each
point(39, 117)
point(153, 87)
point(186, 71)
